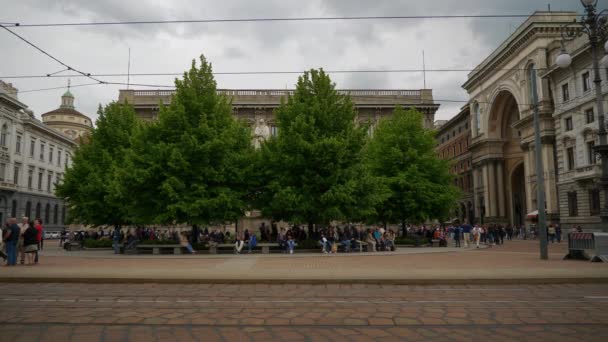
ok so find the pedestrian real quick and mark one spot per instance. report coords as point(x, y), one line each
point(183, 241)
point(25, 224)
point(558, 233)
point(551, 233)
point(115, 239)
point(457, 233)
point(477, 235)
point(239, 243)
point(2, 244)
point(466, 232)
point(38, 227)
point(30, 244)
point(290, 241)
point(11, 238)
point(371, 242)
point(253, 241)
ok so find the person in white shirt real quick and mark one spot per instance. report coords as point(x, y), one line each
point(477, 234)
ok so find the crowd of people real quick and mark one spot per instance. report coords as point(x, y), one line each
point(22, 241)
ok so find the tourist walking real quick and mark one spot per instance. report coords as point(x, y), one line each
point(30, 244)
point(457, 236)
point(558, 233)
point(38, 227)
point(551, 233)
point(477, 235)
point(290, 241)
point(466, 232)
point(183, 241)
point(2, 244)
point(11, 238)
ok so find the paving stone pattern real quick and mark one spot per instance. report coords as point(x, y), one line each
point(331, 312)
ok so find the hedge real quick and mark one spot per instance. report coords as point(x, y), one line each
point(92, 243)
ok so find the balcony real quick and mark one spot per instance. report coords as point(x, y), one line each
point(7, 186)
point(587, 173)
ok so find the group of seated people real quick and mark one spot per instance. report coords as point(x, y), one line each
point(349, 238)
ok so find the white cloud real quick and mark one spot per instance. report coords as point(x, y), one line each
point(269, 46)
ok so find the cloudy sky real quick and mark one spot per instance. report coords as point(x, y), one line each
point(255, 46)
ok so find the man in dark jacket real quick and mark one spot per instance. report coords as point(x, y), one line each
point(11, 237)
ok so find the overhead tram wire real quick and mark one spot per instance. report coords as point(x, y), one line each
point(238, 20)
point(370, 71)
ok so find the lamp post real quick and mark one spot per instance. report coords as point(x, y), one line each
point(595, 26)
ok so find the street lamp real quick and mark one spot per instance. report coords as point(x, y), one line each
point(595, 26)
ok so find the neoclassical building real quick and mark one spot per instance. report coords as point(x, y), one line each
point(33, 158)
point(67, 120)
point(256, 105)
point(502, 124)
point(453, 142)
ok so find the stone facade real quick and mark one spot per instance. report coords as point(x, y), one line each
point(502, 147)
point(33, 158)
point(67, 120)
point(576, 125)
point(255, 105)
point(454, 139)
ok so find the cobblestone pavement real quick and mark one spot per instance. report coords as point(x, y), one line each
point(227, 312)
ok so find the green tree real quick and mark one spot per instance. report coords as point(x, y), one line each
point(312, 170)
point(193, 165)
point(402, 153)
point(89, 184)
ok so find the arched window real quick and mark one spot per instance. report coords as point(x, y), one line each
point(14, 209)
point(38, 209)
point(28, 209)
point(56, 214)
point(477, 112)
point(3, 135)
point(47, 213)
point(63, 215)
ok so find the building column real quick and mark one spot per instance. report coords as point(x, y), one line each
point(486, 190)
point(501, 189)
point(492, 189)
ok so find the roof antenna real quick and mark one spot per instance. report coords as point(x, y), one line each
point(129, 70)
point(69, 82)
point(423, 70)
point(549, 7)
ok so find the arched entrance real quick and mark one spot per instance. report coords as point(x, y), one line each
point(505, 188)
point(518, 195)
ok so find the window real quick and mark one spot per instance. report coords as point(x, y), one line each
point(2, 171)
point(274, 130)
point(572, 204)
point(590, 153)
point(589, 115)
point(16, 172)
point(3, 135)
point(40, 180)
point(59, 158)
point(42, 151)
point(38, 209)
point(67, 160)
point(49, 182)
point(32, 148)
point(28, 209)
point(14, 209)
point(568, 123)
point(63, 215)
point(51, 154)
point(47, 213)
point(586, 81)
point(594, 202)
point(56, 214)
point(18, 144)
point(30, 177)
point(565, 93)
point(570, 157)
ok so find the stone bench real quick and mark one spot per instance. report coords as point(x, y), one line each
point(435, 242)
point(264, 245)
point(177, 248)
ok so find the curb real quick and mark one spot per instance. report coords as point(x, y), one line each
point(286, 281)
